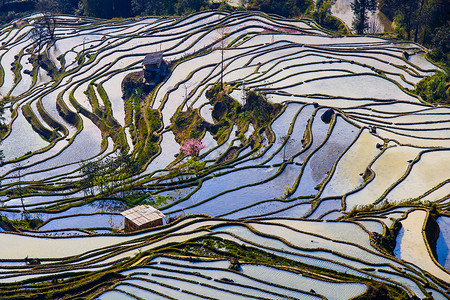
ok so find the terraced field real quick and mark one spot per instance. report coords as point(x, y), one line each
point(338, 193)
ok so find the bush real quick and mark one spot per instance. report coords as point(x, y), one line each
point(436, 88)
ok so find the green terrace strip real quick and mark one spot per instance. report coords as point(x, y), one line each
point(288, 160)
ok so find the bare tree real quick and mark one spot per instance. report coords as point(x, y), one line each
point(374, 25)
point(285, 140)
point(39, 35)
point(222, 39)
point(361, 10)
point(48, 21)
point(19, 185)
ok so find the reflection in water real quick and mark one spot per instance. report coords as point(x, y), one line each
point(342, 10)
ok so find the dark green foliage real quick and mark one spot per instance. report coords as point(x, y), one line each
point(167, 7)
point(361, 10)
point(107, 174)
point(381, 291)
point(107, 9)
point(435, 89)
point(387, 241)
point(424, 21)
point(45, 26)
point(14, 10)
point(68, 6)
point(134, 199)
point(5, 224)
point(188, 124)
point(261, 111)
point(286, 8)
point(132, 84)
point(28, 223)
point(322, 15)
point(441, 44)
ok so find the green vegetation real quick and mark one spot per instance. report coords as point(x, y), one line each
point(425, 22)
point(105, 176)
point(28, 223)
point(435, 88)
point(220, 248)
point(287, 8)
point(108, 174)
point(322, 15)
point(107, 9)
point(386, 242)
point(226, 112)
point(188, 124)
point(361, 10)
point(378, 290)
point(37, 126)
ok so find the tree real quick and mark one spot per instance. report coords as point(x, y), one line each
point(285, 140)
point(192, 147)
point(222, 39)
point(46, 24)
point(107, 174)
point(287, 8)
point(108, 9)
point(2, 128)
point(406, 14)
point(323, 9)
point(374, 26)
point(361, 9)
point(39, 35)
point(68, 6)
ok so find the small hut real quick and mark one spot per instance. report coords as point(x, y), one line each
point(155, 68)
point(142, 217)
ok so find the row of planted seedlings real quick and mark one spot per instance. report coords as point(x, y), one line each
point(255, 253)
point(390, 240)
point(349, 262)
point(97, 260)
point(230, 116)
point(384, 66)
point(263, 182)
point(179, 278)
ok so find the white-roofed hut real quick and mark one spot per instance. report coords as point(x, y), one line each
point(142, 217)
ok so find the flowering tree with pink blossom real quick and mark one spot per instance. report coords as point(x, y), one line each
point(192, 147)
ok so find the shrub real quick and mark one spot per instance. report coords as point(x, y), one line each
point(192, 147)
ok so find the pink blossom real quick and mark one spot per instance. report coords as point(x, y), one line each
point(192, 147)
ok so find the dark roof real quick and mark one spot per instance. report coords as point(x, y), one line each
point(153, 59)
point(142, 214)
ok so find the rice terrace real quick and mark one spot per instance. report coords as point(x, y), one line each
point(221, 155)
